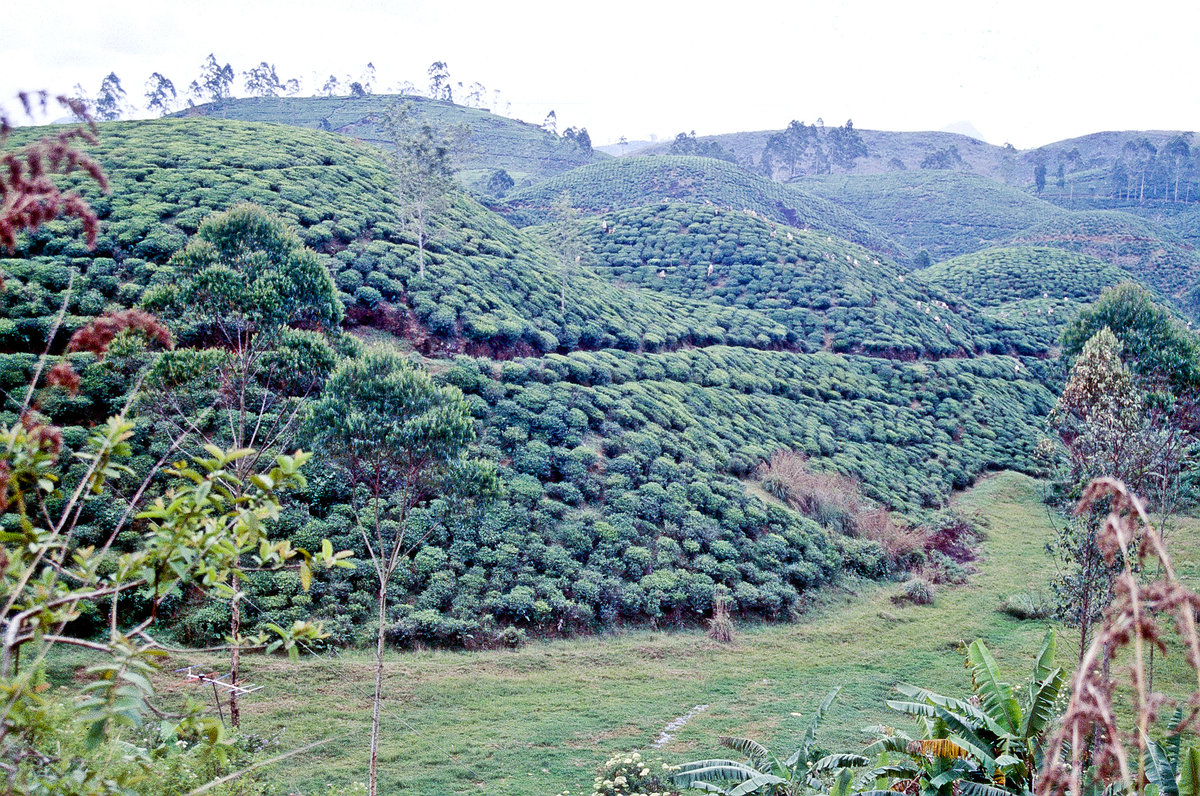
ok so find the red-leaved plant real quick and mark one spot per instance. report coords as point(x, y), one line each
point(29, 196)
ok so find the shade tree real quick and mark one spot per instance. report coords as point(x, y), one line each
point(421, 160)
point(396, 437)
point(263, 81)
point(439, 82)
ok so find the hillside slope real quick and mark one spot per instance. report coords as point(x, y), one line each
point(829, 294)
point(632, 182)
point(620, 462)
point(884, 149)
point(946, 213)
point(525, 151)
point(489, 288)
point(1087, 159)
point(1035, 290)
point(1151, 254)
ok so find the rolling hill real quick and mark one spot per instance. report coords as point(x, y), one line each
point(490, 288)
point(886, 151)
point(631, 182)
point(1151, 254)
point(1035, 290)
point(946, 213)
point(1087, 159)
point(621, 426)
point(527, 152)
point(829, 294)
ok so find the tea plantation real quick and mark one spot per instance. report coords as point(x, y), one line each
point(830, 295)
point(696, 342)
point(1153, 255)
point(491, 287)
point(1035, 290)
point(622, 501)
point(632, 182)
point(943, 212)
point(527, 152)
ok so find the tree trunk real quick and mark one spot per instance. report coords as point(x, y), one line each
point(235, 628)
point(374, 777)
point(420, 217)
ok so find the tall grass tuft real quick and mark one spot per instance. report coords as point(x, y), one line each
point(720, 626)
point(1109, 723)
point(833, 500)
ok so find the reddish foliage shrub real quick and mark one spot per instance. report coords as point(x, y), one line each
point(63, 375)
point(98, 334)
point(28, 195)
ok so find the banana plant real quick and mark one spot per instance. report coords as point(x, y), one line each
point(804, 771)
point(1170, 769)
point(988, 745)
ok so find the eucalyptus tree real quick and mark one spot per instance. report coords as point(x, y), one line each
point(421, 159)
point(215, 82)
point(567, 242)
point(263, 81)
point(160, 94)
point(439, 82)
point(110, 100)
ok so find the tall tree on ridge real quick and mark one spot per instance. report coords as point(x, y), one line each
point(160, 94)
point(263, 81)
point(439, 82)
point(110, 101)
point(215, 81)
point(422, 165)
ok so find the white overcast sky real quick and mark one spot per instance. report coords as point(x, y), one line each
point(1025, 71)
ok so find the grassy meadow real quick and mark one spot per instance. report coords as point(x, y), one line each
point(538, 720)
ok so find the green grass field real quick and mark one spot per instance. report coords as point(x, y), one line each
point(539, 719)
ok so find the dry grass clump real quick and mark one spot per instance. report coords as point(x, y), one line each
point(900, 541)
point(720, 626)
point(1097, 744)
point(917, 591)
point(836, 502)
point(1025, 605)
point(831, 499)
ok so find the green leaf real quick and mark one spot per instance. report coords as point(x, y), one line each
point(838, 761)
point(755, 752)
point(714, 770)
point(995, 694)
point(1189, 772)
point(980, 789)
point(1043, 665)
point(810, 734)
point(755, 783)
point(306, 575)
point(1158, 769)
point(1040, 710)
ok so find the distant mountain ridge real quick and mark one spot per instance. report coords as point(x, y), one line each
point(889, 150)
